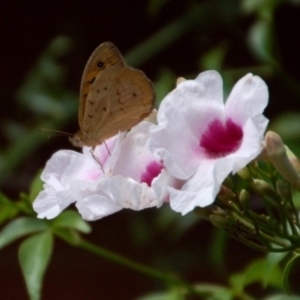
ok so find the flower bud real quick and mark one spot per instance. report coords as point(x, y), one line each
point(218, 221)
point(218, 217)
point(263, 188)
point(203, 212)
point(244, 198)
point(179, 80)
point(293, 159)
point(228, 182)
point(244, 173)
point(283, 190)
point(263, 154)
point(225, 193)
point(278, 156)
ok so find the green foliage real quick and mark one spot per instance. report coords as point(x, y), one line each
point(34, 256)
point(255, 272)
point(286, 272)
point(20, 227)
point(47, 103)
point(35, 251)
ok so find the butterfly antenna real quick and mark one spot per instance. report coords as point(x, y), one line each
point(57, 132)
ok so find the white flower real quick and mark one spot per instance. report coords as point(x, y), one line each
point(133, 178)
point(202, 140)
point(70, 176)
point(138, 179)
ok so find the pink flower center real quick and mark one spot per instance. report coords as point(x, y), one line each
point(153, 169)
point(221, 139)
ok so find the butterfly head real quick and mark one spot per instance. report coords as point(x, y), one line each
point(81, 139)
point(76, 140)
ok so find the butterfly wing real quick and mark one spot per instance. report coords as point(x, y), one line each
point(119, 99)
point(104, 56)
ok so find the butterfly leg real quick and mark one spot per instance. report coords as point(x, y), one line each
point(96, 159)
point(107, 148)
point(127, 132)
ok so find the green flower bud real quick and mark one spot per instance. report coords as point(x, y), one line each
point(283, 190)
point(218, 221)
point(277, 154)
point(225, 193)
point(203, 212)
point(293, 159)
point(263, 188)
point(228, 182)
point(244, 173)
point(244, 198)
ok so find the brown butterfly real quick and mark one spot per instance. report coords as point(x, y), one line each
point(113, 97)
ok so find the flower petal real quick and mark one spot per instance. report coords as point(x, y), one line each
point(46, 204)
point(252, 143)
point(248, 98)
point(202, 141)
point(213, 86)
point(202, 188)
point(182, 118)
point(129, 193)
point(96, 207)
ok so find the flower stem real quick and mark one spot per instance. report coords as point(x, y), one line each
point(169, 279)
point(252, 228)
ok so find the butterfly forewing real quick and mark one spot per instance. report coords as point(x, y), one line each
point(122, 97)
point(113, 97)
point(103, 57)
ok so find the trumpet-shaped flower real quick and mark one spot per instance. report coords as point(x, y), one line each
point(132, 177)
point(202, 140)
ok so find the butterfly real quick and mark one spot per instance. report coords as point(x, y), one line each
point(113, 97)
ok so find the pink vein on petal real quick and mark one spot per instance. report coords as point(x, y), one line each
point(153, 169)
point(221, 139)
point(92, 175)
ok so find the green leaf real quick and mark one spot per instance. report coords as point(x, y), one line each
point(160, 296)
point(164, 83)
point(71, 219)
point(3, 200)
point(34, 255)
point(214, 58)
point(237, 282)
point(287, 125)
point(272, 262)
point(8, 212)
point(213, 292)
point(282, 297)
point(155, 6)
point(286, 272)
point(8, 209)
point(36, 187)
point(218, 244)
point(207, 291)
point(260, 40)
point(255, 272)
point(19, 228)
point(68, 235)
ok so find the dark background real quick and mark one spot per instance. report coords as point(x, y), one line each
point(27, 28)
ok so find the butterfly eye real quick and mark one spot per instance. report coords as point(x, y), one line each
point(76, 141)
point(100, 64)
